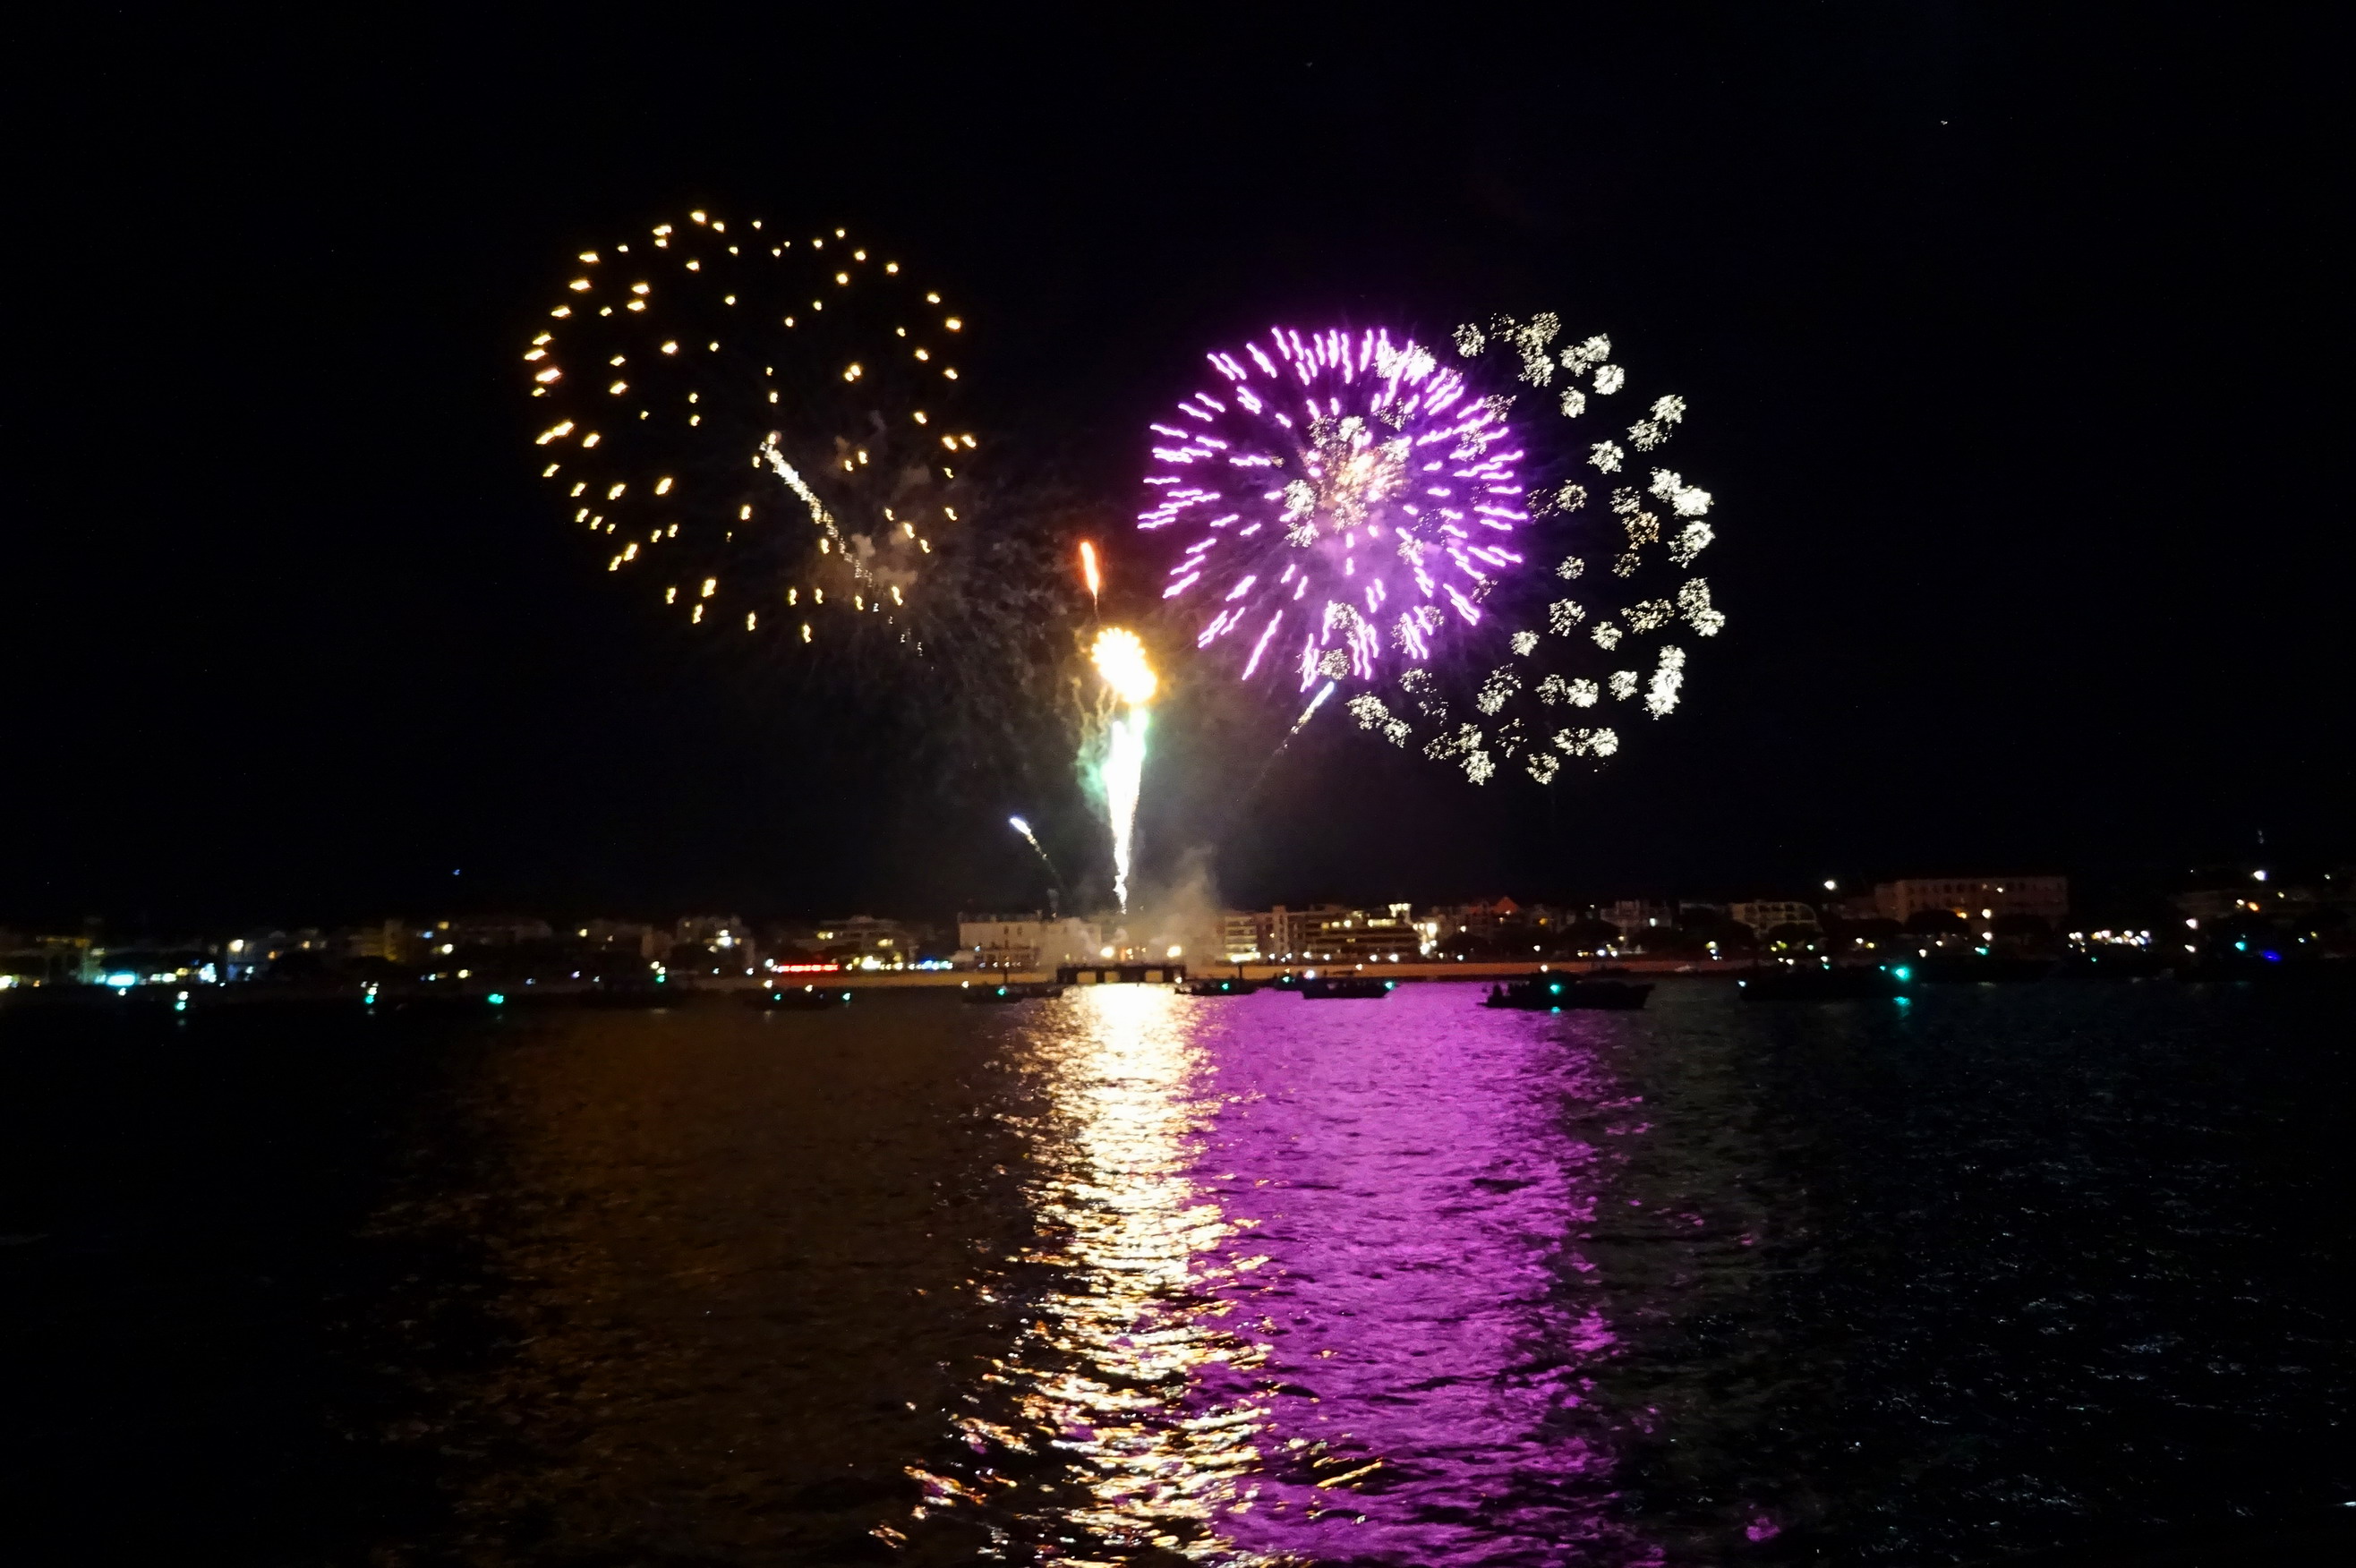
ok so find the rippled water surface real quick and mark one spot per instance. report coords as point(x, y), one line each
point(1135, 1277)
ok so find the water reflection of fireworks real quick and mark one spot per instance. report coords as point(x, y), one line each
point(1298, 1295)
point(1099, 1373)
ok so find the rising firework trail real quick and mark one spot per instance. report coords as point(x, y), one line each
point(1121, 658)
point(1308, 712)
point(1089, 574)
point(1020, 826)
point(1298, 724)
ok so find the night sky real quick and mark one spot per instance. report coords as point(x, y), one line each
point(2007, 351)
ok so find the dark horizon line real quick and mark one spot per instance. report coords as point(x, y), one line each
point(2085, 892)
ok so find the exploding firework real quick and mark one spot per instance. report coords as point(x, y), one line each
point(1348, 497)
point(768, 424)
point(1413, 531)
point(1601, 633)
point(1120, 659)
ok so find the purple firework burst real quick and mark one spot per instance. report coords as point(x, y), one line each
point(1350, 496)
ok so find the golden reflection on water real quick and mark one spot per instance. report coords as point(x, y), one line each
point(1102, 1370)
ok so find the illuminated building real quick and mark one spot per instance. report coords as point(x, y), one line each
point(1026, 941)
point(1480, 918)
point(1358, 936)
point(1321, 934)
point(714, 930)
point(387, 940)
point(1763, 915)
point(1243, 935)
point(1634, 915)
point(864, 940)
point(1973, 897)
point(49, 960)
point(497, 930)
point(625, 936)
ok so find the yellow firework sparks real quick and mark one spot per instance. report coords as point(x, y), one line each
point(1120, 659)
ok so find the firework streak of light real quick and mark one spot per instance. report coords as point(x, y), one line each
point(1120, 659)
point(1298, 724)
point(1020, 826)
point(1309, 712)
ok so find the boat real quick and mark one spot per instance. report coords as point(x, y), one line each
point(1208, 986)
point(1847, 984)
point(1548, 993)
point(1344, 987)
point(986, 994)
point(809, 999)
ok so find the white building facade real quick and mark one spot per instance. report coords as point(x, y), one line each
point(1027, 940)
point(1763, 915)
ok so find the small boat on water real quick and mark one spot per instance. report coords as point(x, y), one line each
point(987, 994)
point(1548, 993)
point(1344, 987)
point(1794, 984)
point(807, 1000)
point(1209, 986)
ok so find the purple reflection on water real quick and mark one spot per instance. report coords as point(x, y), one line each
point(1303, 1285)
point(1405, 1170)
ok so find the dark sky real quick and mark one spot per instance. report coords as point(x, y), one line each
point(2012, 353)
